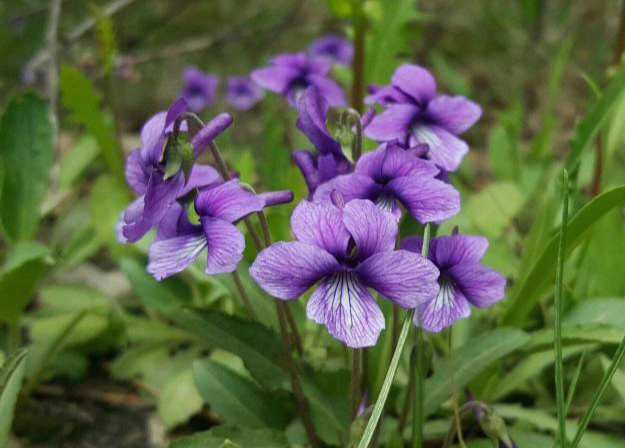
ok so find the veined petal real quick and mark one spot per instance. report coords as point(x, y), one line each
point(481, 285)
point(277, 78)
point(350, 186)
point(170, 256)
point(328, 88)
point(404, 277)
point(152, 138)
point(287, 270)
point(442, 311)
point(345, 307)
point(390, 161)
point(458, 249)
point(446, 150)
point(415, 81)
point(392, 124)
point(373, 229)
point(208, 133)
point(227, 201)
point(200, 176)
point(454, 113)
point(426, 199)
point(225, 244)
point(312, 108)
point(135, 172)
point(320, 225)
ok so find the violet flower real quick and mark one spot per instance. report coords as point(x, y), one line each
point(145, 172)
point(290, 74)
point(390, 176)
point(464, 281)
point(335, 48)
point(415, 114)
point(345, 250)
point(219, 207)
point(329, 161)
point(243, 93)
point(199, 89)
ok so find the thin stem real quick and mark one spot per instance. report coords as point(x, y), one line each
point(356, 361)
point(358, 62)
point(454, 392)
point(572, 387)
point(418, 417)
point(557, 340)
point(596, 399)
point(244, 297)
point(403, 416)
point(392, 368)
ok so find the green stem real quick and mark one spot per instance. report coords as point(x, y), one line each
point(244, 297)
point(392, 368)
point(596, 399)
point(358, 63)
point(356, 358)
point(557, 340)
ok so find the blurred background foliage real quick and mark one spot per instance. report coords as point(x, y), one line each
point(117, 359)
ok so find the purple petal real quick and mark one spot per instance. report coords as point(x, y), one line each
point(135, 172)
point(303, 63)
point(227, 201)
point(425, 198)
point(454, 113)
point(350, 186)
point(276, 79)
point(386, 95)
point(446, 150)
point(170, 256)
point(390, 161)
point(320, 225)
point(307, 165)
point(401, 276)
point(174, 111)
point(287, 270)
point(335, 48)
point(392, 124)
point(200, 89)
point(481, 285)
point(243, 94)
point(329, 89)
point(152, 138)
point(208, 133)
point(312, 109)
point(459, 249)
point(373, 229)
point(443, 310)
point(415, 81)
point(168, 226)
point(225, 244)
point(200, 176)
point(347, 310)
point(272, 198)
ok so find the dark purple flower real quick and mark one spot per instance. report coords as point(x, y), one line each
point(415, 114)
point(145, 172)
point(290, 74)
point(199, 89)
point(463, 281)
point(392, 175)
point(243, 93)
point(336, 48)
point(345, 251)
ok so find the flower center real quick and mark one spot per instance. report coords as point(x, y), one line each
point(445, 296)
point(343, 293)
point(385, 202)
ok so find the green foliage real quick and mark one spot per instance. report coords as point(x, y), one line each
point(26, 150)
point(11, 377)
point(230, 436)
point(78, 161)
point(107, 47)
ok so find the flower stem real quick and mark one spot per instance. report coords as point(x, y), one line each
point(557, 340)
point(454, 392)
point(356, 358)
point(392, 368)
point(244, 297)
point(358, 63)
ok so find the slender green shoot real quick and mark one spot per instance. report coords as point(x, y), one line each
point(557, 340)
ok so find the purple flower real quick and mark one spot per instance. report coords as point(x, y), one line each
point(337, 49)
point(463, 280)
point(290, 74)
point(199, 89)
point(345, 251)
point(145, 172)
point(415, 114)
point(390, 176)
point(243, 93)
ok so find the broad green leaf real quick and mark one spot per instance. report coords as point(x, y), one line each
point(80, 97)
point(232, 436)
point(73, 297)
point(238, 399)
point(11, 377)
point(179, 399)
point(605, 311)
point(108, 198)
point(468, 361)
point(576, 334)
point(525, 296)
point(78, 161)
point(27, 152)
point(502, 153)
point(25, 266)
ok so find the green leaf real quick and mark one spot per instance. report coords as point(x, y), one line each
point(24, 267)
point(233, 436)
point(618, 379)
point(577, 334)
point(179, 399)
point(238, 399)
point(605, 311)
point(528, 291)
point(108, 198)
point(11, 377)
point(468, 361)
point(501, 150)
point(78, 160)
point(27, 152)
point(79, 95)
point(595, 116)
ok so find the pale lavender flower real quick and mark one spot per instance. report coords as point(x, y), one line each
point(243, 93)
point(336, 48)
point(345, 250)
point(290, 74)
point(463, 280)
point(392, 175)
point(199, 89)
point(416, 114)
